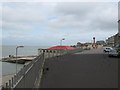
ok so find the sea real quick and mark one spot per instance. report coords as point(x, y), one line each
point(10, 68)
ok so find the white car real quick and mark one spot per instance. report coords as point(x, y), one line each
point(107, 49)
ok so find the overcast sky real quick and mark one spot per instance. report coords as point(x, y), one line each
point(45, 24)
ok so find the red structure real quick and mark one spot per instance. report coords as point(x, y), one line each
point(94, 40)
point(62, 47)
point(94, 45)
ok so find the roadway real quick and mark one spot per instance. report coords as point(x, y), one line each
point(87, 69)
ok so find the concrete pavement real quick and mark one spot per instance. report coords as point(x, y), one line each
point(88, 69)
point(92, 51)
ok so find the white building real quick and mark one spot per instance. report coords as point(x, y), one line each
point(119, 27)
point(119, 22)
point(119, 18)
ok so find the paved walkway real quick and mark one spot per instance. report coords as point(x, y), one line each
point(92, 51)
point(82, 70)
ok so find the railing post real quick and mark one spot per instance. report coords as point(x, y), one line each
point(39, 51)
point(14, 79)
point(55, 53)
point(52, 53)
point(48, 54)
point(12, 82)
point(6, 85)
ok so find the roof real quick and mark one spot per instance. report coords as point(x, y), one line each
point(61, 47)
point(85, 44)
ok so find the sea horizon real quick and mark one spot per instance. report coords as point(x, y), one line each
point(7, 50)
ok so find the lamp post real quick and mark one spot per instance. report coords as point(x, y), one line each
point(61, 41)
point(16, 55)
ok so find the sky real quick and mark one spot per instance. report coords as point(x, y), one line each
point(46, 23)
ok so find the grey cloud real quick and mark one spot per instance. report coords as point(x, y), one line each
point(86, 16)
point(74, 8)
point(27, 14)
point(74, 21)
point(15, 26)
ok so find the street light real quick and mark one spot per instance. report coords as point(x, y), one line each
point(61, 41)
point(16, 55)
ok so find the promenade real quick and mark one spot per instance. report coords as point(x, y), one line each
point(87, 69)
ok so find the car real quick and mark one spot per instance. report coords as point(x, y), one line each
point(114, 53)
point(107, 49)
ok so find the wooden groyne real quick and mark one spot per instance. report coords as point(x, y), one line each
point(20, 60)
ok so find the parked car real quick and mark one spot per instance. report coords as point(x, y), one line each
point(107, 49)
point(114, 53)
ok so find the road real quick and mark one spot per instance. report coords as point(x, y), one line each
point(87, 69)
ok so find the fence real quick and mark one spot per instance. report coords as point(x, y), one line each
point(30, 75)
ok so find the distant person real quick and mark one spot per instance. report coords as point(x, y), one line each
point(9, 55)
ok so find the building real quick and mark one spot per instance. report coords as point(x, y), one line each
point(119, 27)
point(113, 41)
point(119, 22)
point(87, 46)
point(116, 40)
point(119, 18)
point(79, 45)
point(84, 45)
point(110, 41)
point(118, 31)
point(101, 43)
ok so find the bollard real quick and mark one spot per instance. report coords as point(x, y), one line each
point(51, 53)
point(12, 82)
point(45, 54)
point(48, 54)
point(6, 85)
point(9, 83)
point(54, 53)
point(39, 51)
point(14, 79)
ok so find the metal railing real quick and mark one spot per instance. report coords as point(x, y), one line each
point(30, 75)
